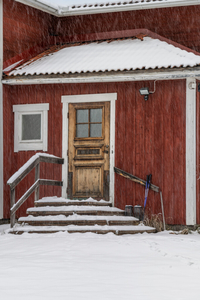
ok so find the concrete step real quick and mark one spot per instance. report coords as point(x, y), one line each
point(74, 209)
point(118, 230)
point(55, 201)
point(81, 220)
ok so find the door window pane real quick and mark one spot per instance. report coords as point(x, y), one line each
point(82, 116)
point(82, 130)
point(95, 130)
point(31, 127)
point(96, 115)
point(89, 123)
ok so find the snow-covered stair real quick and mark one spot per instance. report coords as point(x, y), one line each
point(54, 214)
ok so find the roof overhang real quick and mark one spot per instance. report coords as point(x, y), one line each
point(139, 75)
point(97, 9)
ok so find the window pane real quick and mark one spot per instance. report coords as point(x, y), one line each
point(95, 130)
point(82, 116)
point(31, 127)
point(82, 130)
point(96, 115)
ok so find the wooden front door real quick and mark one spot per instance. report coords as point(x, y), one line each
point(89, 150)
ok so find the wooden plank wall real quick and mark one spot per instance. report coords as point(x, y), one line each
point(180, 24)
point(24, 27)
point(150, 138)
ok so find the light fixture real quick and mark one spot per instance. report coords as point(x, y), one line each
point(145, 92)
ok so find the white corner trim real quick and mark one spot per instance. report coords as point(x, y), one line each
point(25, 109)
point(1, 110)
point(1, 151)
point(111, 97)
point(190, 151)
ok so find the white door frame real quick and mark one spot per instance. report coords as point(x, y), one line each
point(111, 97)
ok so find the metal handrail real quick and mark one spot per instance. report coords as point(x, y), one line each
point(33, 162)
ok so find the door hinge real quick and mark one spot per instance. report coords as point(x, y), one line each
point(67, 190)
point(68, 115)
point(67, 152)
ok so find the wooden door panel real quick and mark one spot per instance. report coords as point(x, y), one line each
point(89, 150)
point(88, 181)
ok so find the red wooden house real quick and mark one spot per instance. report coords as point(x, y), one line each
point(71, 80)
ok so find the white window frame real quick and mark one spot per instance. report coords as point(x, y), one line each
point(26, 109)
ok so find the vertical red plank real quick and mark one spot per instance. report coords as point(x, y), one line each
point(120, 145)
point(9, 92)
point(139, 142)
point(158, 144)
point(57, 127)
point(48, 169)
point(178, 154)
point(133, 127)
point(168, 196)
point(148, 140)
point(129, 119)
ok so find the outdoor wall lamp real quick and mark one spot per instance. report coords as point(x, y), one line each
point(145, 92)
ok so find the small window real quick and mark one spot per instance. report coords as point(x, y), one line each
point(89, 123)
point(31, 123)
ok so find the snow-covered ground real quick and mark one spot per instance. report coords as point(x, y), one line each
point(101, 267)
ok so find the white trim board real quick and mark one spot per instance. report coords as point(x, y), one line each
point(111, 97)
point(139, 75)
point(1, 151)
point(1, 110)
point(190, 151)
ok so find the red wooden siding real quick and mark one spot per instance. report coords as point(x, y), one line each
point(24, 27)
point(13, 161)
point(150, 138)
point(180, 24)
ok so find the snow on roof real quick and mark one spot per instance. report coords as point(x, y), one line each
point(111, 55)
point(77, 7)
